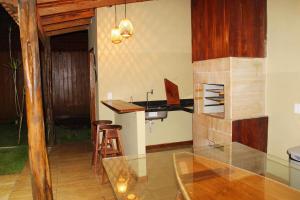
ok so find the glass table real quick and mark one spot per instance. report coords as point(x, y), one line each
point(232, 171)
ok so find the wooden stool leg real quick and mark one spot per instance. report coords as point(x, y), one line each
point(96, 149)
point(119, 143)
point(103, 153)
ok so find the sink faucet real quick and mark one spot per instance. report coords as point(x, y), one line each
point(147, 97)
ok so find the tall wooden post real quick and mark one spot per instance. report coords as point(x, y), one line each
point(38, 159)
point(92, 92)
point(49, 100)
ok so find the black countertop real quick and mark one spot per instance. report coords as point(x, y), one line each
point(161, 105)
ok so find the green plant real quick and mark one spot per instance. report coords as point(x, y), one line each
point(14, 66)
point(12, 160)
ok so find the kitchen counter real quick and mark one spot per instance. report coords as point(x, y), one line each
point(120, 106)
point(132, 119)
point(186, 105)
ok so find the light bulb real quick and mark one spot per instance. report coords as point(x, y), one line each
point(116, 37)
point(126, 28)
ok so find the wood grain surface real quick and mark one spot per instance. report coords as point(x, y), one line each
point(251, 132)
point(228, 28)
point(120, 106)
point(38, 157)
point(70, 84)
point(203, 178)
point(172, 93)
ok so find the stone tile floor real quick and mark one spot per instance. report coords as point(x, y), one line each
point(72, 177)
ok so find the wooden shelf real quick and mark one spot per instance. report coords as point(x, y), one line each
point(213, 101)
point(218, 91)
point(120, 106)
point(216, 115)
point(217, 99)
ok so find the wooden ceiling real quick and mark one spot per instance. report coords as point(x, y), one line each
point(56, 17)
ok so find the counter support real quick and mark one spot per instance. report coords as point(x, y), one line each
point(133, 132)
point(132, 119)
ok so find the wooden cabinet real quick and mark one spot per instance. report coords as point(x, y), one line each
point(228, 28)
point(251, 132)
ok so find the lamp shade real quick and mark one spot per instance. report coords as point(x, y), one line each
point(116, 37)
point(126, 28)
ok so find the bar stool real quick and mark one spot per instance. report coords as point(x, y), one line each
point(111, 144)
point(96, 139)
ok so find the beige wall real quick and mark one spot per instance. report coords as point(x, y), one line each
point(160, 48)
point(283, 75)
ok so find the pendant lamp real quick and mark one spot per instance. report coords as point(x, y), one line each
point(116, 36)
point(125, 26)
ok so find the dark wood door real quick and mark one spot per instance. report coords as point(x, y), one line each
point(251, 132)
point(70, 72)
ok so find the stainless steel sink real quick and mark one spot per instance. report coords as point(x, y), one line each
point(155, 112)
point(153, 115)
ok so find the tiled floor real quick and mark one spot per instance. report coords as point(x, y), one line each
point(7, 184)
point(72, 177)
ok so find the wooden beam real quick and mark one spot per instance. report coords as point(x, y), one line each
point(62, 6)
point(41, 32)
point(68, 16)
point(12, 2)
point(49, 94)
point(67, 30)
point(68, 24)
point(11, 6)
point(46, 1)
point(38, 158)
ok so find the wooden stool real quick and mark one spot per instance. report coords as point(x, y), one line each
point(111, 144)
point(111, 134)
point(96, 140)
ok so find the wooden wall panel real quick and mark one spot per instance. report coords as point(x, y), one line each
point(70, 84)
point(7, 105)
point(228, 28)
point(77, 41)
point(70, 72)
point(251, 132)
point(7, 102)
point(5, 22)
point(247, 29)
point(209, 29)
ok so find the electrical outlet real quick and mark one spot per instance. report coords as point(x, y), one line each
point(109, 96)
point(297, 108)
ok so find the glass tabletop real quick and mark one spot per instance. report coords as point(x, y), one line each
point(162, 175)
point(143, 177)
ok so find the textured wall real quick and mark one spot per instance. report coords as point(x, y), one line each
point(160, 48)
point(283, 75)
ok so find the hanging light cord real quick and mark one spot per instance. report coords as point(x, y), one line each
point(115, 15)
point(125, 10)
